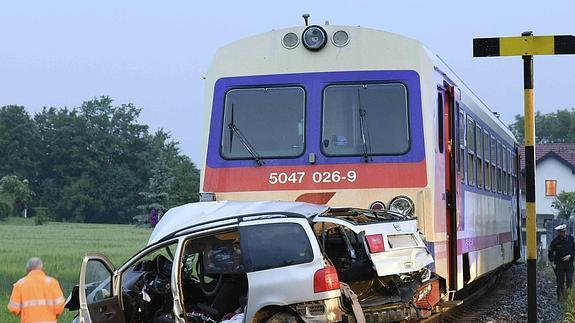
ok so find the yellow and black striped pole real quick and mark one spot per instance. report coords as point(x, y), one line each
point(531, 217)
point(526, 46)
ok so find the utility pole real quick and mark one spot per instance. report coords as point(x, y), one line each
point(526, 46)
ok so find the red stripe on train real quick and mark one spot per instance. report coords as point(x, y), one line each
point(315, 177)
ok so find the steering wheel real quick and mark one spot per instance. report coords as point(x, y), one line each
point(157, 283)
point(208, 289)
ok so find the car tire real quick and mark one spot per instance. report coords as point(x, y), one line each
point(283, 318)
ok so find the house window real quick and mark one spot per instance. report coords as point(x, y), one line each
point(550, 187)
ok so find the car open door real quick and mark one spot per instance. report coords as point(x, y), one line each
point(98, 293)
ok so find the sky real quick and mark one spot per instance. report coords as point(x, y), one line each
point(155, 53)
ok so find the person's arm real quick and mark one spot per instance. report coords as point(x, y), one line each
point(551, 251)
point(15, 303)
point(57, 297)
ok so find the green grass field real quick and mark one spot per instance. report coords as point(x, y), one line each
point(62, 247)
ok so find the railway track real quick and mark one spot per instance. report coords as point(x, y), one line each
point(472, 307)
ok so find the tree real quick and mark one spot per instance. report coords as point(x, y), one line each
point(14, 195)
point(19, 140)
point(186, 181)
point(174, 179)
point(555, 127)
point(158, 197)
point(95, 162)
point(564, 203)
point(78, 203)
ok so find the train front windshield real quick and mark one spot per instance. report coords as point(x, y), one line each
point(269, 122)
point(356, 120)
point(365, 119)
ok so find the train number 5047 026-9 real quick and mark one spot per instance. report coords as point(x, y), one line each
point(316, 177)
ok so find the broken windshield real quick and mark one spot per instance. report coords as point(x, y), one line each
point(363, 216)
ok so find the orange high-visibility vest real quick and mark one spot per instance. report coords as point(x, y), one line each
point(37, 298)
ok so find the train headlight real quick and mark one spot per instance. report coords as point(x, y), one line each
point(402, 205)
point(340, 38)
point(314, 38)
point(290, 40)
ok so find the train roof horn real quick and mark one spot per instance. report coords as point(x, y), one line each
point(305, 17)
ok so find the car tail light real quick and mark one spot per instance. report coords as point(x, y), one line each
point(375, 243)
point(325, 280)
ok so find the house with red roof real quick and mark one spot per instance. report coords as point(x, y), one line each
point(554, 172)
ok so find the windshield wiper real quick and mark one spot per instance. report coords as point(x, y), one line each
point(244, 141)
point(364, 130)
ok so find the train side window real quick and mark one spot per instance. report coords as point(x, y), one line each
point(486, 159)
point(514, 170)
point(499, 166)
point(470, 151)
point(505, 170)
point(479, 154)
point(461, 159)
point(493, 164)
point(509, 172)
point(440, 122)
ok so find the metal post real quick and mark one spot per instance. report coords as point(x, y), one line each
point(531, 221)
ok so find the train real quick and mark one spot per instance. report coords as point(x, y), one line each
point(350, 116)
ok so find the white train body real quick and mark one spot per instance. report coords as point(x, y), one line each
point(312, 92)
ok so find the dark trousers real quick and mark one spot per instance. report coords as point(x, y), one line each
point(564, 273)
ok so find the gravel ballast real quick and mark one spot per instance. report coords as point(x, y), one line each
point(511, 305)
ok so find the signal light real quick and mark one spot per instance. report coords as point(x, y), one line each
point(375, 243)
point(325, 280)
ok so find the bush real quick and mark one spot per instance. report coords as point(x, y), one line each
point(5, 210)
point(41, 215)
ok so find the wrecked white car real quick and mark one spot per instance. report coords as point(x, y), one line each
point(383, 258)
point(262, 262)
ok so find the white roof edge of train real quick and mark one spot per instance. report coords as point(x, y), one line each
point(434, 58)
point(302, 27)
point(445, 68)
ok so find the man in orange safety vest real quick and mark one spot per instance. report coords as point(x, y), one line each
point(36, 298)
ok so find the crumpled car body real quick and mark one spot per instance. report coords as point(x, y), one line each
point(257, 262)
point(384, 259)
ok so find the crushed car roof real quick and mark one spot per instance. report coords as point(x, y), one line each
point(190, 215)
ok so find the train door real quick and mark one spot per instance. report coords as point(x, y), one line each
point(447, 146)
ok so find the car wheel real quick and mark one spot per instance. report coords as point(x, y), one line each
point(282, 318)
